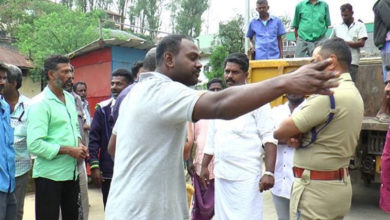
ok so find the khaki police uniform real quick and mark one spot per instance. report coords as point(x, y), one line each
point(313, 197)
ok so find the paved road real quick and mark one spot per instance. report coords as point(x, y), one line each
point(364, 203)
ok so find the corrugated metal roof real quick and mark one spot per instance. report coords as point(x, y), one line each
point(133, 42)
point(10, 56)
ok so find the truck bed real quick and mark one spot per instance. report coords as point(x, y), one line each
point(372, 124)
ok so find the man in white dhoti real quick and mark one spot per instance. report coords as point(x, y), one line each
point(238, 146)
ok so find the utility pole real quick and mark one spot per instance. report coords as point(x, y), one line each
point(246, 24)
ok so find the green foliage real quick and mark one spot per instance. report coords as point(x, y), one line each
point(286, 20)
point(17, 12)
point(56, 33)
point(230, 39)
point(231, 34)
point(189, 18)
point(145, 14)
point(216, 68)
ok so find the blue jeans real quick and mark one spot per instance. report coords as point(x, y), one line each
point(7, 206)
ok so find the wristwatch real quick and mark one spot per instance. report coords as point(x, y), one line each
point(269, 173)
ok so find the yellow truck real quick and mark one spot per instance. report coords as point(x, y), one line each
point(370, 84)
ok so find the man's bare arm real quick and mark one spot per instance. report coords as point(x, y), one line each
point(286, 130)
point(111, 145)
point(280, 44)
point(357, 44)
point(267, 181)
point(237, 100)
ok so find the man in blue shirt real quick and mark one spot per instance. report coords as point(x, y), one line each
point(18, 106)
point(268, 31)
point(7, 156)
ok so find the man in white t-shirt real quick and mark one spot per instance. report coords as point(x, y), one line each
point(148, 180)
point(354, 33)
point(238, 147)
point(284, 176)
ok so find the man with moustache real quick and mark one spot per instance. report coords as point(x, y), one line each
point(284, 176)
point(18, 107)
point(54, 138)
point(8, 203)
point(81, 167)
point(238, 147)
point(354, 33)
point(100, 161)
point(266, 32)
point(325, 132)
point(148, 65)
point(148, 180)
point(80, 88)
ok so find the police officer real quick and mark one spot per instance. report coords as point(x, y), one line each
point(326, 131)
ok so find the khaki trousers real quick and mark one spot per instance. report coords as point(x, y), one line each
point(318, 199)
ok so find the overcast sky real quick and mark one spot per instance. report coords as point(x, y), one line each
point(222, 10)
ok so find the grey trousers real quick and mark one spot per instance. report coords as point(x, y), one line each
point(20, 193)
point(305, 48)
point(282, 206)
point(7, 206)
point(83, 179)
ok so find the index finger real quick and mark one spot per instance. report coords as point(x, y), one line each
point(322, 64)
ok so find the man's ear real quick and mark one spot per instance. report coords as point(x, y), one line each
point(50, 74)
point(334, 63)
point(169, 60)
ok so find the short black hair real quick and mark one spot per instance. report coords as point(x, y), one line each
point(215, 80)
point(51, 62)
point(136, 66)
point(79, 83)
point(14, 74)
point(125, 73)
point(346, 6)
point(259, 2)
point(240, 59)
point(338, 47)
point(387, 67)
point(150, 60)
point(170, 43)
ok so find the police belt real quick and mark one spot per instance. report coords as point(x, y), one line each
point(322, 175)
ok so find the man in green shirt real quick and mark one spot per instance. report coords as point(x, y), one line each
point(311, 21)
point(53, 136)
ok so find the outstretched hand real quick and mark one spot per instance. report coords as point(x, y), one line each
point(312, 78)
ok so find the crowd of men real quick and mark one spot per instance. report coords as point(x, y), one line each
point(138, 141)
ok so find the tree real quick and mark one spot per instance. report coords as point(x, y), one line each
point(189, 18)
point(231, 34)
point(122, 4)
point(16, 12)
point(173, 7)
point(67, 3)
point(56, 33)
point(82, 5)
point(230, 39)
point(145, 14)
point(216, 62)
point(286, 20)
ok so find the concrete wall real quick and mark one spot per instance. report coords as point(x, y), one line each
point(29, 87)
